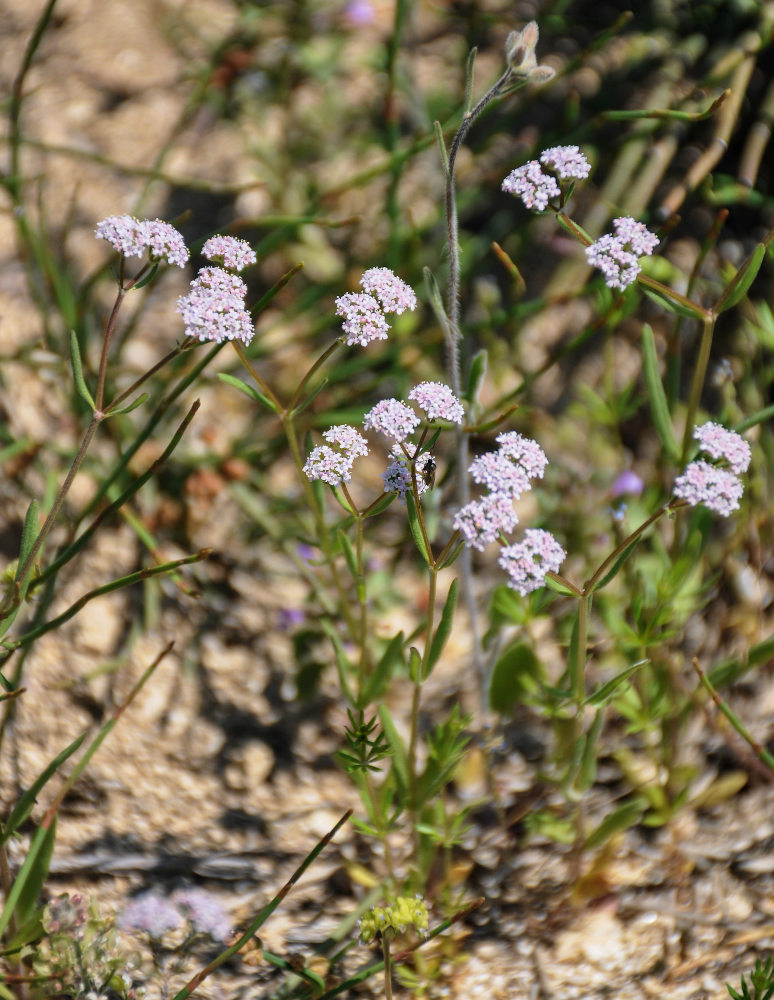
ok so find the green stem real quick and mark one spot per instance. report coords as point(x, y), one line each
point(697, 383)
point(294, 399)
point(387, 967)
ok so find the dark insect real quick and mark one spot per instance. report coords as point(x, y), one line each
point(428, 472)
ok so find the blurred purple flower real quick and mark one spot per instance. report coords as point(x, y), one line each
point(359, 13)
point(627, 484)
point(290, 618)
point(204, 912)
point(150, 914)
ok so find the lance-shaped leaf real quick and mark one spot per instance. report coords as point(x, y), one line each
point(382, 672)
point(416, 529)
point(249, 390)
point(658, 401)
point(444, 628)
point(740, 284)
point(80, 382)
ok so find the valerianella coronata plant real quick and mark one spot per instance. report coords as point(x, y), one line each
point(527, 562)
point(332, 463)
point(134, 238)
point(506, 474)
point(617, 255)
point(214, 308)
point(364, 312)
point(536, 181)
point(229, 252)
point(717, 488)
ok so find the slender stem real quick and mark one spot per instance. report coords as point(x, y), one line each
point(669, 505)
point(697, 383)
point(294, 399)
point(387, 967)
point(453, 366)
point(116, 402)
point(265, 389)
point(109, 330)
point(415, 701)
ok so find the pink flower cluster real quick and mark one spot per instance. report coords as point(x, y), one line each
point(229, 252)
point(332, 463)
point(506, 474)
point(135, 237)
point(155, 915)
point(717, 488)
point(396, 420)
point(527, 562)
point(364, 312)
point(214, 308)
point(536, 185)
point(617, 255)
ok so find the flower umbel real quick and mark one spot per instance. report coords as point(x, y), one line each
point(716, 489)
point(482, 521)
point(720, 443)
point(363, 318)
point(332, 466)
point(566, 162)
point(132, 238)
point(394, 295)
point(617, 255)
point(214, 308)
point(231, 253)
point(527, 562)
point(438, 402)
point(530, 183)
point(392, 418)
point(397, 918)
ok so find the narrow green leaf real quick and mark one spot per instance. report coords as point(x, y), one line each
point(441, 148)
point(436, 300)
point(658, 401)
point(470, 67)
point(680, 308)
point(416, 529)
point(740, 283)
point(310, 397)
point(29, 534)
point(348, 551)
point(560, 585)
point(148, 277)
point(622, 818)
point(617, 564)
point(605, 691)
point(24, 806)
point(36, 878)
point(380, 678)
point(80, 382)
point(249, 390)
point(476, 376)
point(345, 667)
point(130, 406)
point(587, 773)
point(399, 762)
point(444, 628)
point(452, 555)
point(414, 664)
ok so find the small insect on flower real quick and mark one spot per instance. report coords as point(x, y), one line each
point(428, 472)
